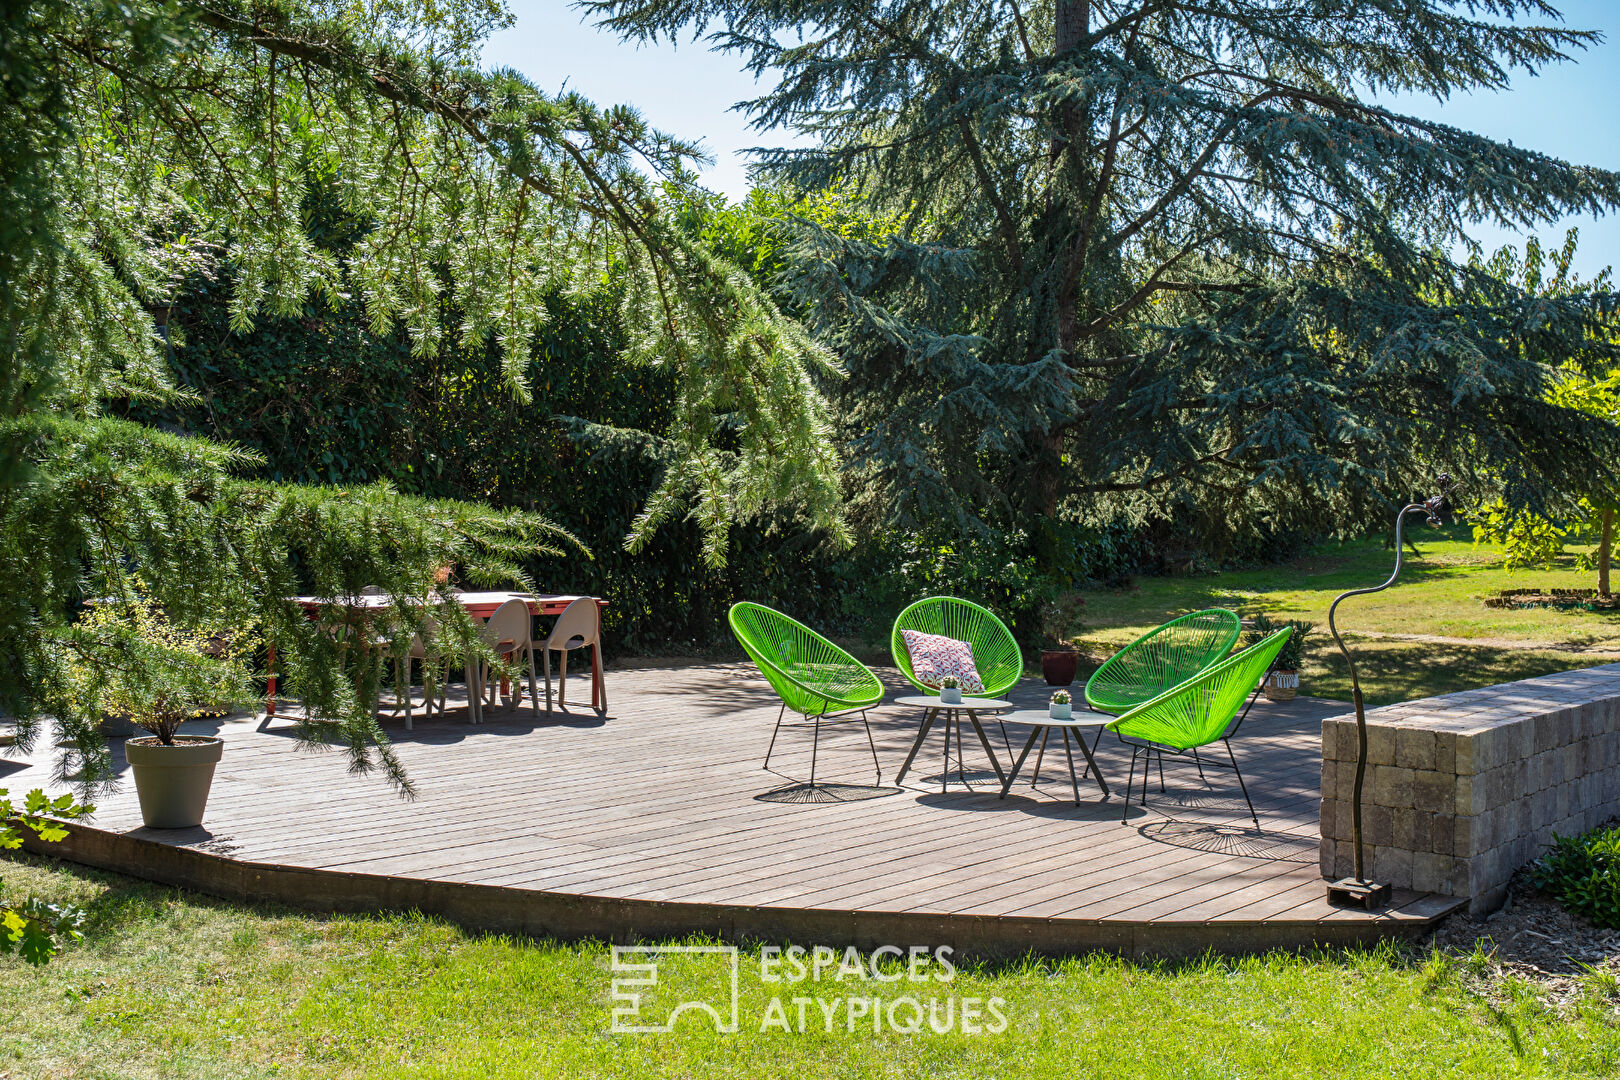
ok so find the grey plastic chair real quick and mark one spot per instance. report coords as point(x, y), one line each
point(508, 632)
point(579, 625)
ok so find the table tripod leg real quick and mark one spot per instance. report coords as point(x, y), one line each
point(922, 733)
point(984, 741)
point(1034, 734)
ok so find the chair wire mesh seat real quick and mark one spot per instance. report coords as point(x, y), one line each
point(1164, 657)
point(995, 652)
point(811, 675)
point(1201, 711)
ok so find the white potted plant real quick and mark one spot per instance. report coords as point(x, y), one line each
point(132, 661)
point(950, 690)
point(1283, 682)
point(1062, 707)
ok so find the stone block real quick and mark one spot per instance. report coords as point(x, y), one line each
point(1445, 751)
point(1380, 745)
point(1571, 761)
point(1546, 732)
point(1344, 860)
point(1463, 833)
point(1463, 749)
point(1565, 721)
point(1435, 792)
point(1391, 786)
point(1347, 780)
point(1341, 735)
point(1431, 872)
point(1500, 788)
point(1515, 741)
point(1543, 808)
point(1442, 833)
point(1394, 866)
point(1415, 749)
point(1405, 822)
point(1539, 772)
point(1468, 795)
point(1378, 825)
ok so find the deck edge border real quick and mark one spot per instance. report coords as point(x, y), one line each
point(566, 916)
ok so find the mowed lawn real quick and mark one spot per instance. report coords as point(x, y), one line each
point(171, 985)
point(1440, 594)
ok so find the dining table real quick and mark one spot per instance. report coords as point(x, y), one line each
point(479, 604)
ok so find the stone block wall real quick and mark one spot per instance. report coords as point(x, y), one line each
point(1464, 789)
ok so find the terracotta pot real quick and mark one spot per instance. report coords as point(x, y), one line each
point(1282, 686)
point(173, 781)
point(1058, 666)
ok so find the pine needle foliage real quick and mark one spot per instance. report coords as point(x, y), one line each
point(149, 145)
point(1156, 255)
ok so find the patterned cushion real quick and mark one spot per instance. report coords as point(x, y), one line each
point(933, 657)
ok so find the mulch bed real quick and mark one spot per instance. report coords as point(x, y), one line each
point(1562, 599)
point(1532, 936)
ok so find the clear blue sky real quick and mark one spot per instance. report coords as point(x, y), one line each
point(1571, 111)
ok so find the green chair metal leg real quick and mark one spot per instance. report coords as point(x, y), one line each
point(873, 744)
point(1130, 782)
point(779, 714)
point(1241, 785)
point(815, 745)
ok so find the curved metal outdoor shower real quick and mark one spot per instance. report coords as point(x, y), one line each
point(1358, 890)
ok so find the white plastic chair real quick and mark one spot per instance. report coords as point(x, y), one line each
point(579, 625)
point(508, 632)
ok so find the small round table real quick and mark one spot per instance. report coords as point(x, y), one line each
point(1041, 727)
point(973, 706)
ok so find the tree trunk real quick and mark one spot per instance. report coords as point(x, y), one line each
point(1065, 158)
point(1605, 547)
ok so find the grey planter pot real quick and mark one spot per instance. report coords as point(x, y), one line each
point(173, 781)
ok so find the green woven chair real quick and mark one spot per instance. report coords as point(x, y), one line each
point(811, 675)
point(995, 653)
point(1201, 711)
point(1164, 657)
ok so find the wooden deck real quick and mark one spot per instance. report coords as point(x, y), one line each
point(658, 820)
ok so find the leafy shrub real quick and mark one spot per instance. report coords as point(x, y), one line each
point(1291, 657)
point(1583, 874)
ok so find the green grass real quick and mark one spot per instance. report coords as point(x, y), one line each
point(169, 984)
point(1440, 593)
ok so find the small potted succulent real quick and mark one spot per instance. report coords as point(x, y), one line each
point(1283, 682)
point(1062, 707)
point(131, 660)
point(950, 690)
point(1060, 621)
